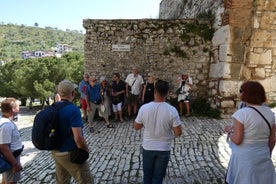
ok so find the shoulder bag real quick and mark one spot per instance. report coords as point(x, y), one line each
point(129, 87)
point(269, 126)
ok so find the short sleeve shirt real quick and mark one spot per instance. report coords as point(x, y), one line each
point(70, 117)
point(158, 120)
point(119, 87)
point(94, 93)
point(9, 134)
point(136, 81)
point(255, 127)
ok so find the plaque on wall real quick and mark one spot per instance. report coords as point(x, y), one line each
point(122, 48)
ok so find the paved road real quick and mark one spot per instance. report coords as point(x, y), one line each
point(200, 155)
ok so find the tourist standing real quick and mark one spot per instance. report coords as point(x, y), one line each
point(10, 140)
point(82, 90)
point(134, 84)
point(252, 138)
point(161, 124)
point(70, 119)
point(148, 89)
point(106, 95)
point(185, 83)
point(118, 95)
point(94, 100)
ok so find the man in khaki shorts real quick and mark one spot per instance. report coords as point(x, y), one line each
point(70, 119)
point(134, 85)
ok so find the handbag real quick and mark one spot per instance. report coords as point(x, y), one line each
point(79, 156)
point(4, 165)
point(102, 110)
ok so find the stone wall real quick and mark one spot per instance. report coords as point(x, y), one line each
point(244, 50)
point(243, 46)
point(163, 47)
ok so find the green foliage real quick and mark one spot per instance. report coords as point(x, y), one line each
point(207, 16)
point(14, 39)
point(201, 107)
point(38, 78)
point(179, 52)
point(272, 105)
point(203, 30)
point(185, 37)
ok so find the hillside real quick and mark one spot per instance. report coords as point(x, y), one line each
point(15, 38)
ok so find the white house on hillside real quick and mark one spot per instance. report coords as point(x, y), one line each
point(63, 48)
point(36, 54)
point(55, 51)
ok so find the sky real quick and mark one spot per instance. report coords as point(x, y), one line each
point(69, 14)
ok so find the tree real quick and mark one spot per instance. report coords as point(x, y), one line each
point(38, 78)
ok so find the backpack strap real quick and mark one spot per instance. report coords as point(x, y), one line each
point(269, 126)
point(58, 106)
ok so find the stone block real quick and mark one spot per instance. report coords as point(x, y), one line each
point(228, 88)
point(262, 38)
point(262, 58)
point(220, 70)
point(227, 104)
point(221, 36)
point(269, 5)
point(246, 73)
point(268, 20)
point(272, 83)
point(260, 73)
point(225, 54)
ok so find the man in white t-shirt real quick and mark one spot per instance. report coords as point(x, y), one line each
point(134, 85)
point(162, 123)
point(10, 140)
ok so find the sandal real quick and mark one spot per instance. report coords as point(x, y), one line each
point(110, 126)
point(91, 130)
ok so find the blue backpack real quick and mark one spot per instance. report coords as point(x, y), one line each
point(46, 129)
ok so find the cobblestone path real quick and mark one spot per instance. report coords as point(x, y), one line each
point(199, 156)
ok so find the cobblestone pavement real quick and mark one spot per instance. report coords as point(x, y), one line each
point(199, 156)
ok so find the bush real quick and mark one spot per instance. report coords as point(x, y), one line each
point(201, 107)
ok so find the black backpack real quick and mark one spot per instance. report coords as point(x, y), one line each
point(46, 129)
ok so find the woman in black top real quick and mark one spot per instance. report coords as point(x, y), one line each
point(148, 91)
point(118, 95)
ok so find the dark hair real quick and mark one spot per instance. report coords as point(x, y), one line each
point(8, 103)
point(161, 87)
point(117, 75)
point(253, 92)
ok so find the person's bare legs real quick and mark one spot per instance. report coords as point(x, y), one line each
point(129, 109)
point(187, 108)
point(180, 108)
point(120, 115)
point(116, 116)
point(135, 108)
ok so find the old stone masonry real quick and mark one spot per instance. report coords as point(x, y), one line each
point(200, 155)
